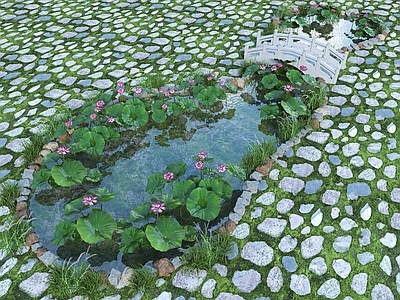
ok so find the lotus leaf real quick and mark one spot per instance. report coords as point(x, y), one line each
point(270, 81)
point(140, 212)
point(203, 204)
point(92, 142)
point(132, 238)
point(274, 95)
point(103, 194)
point(136, 102)
point(250, 70)
point(232, 87)
point(182, 189)
point(268, 112)
point(294, 107)
point(94, 175)
point(178, 169)
point(220, 187)
point(155, 183)
point(190, 233)
point(135, 115)
point(51, 159)
point(96, 227)
point(115, 110)
point(165, 234)
point(236, 171)
point(74, 207)
point(105, 97)
point(109, 134)
point(65, 231)
point(159, 116)
point(207, 96)
point(40, 178)
point(295, 77)
point(309, 79)
point(186, 103)
point(69, 173)
point(170, 201)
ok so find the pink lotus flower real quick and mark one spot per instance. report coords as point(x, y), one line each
point(93, 116)
point(169, 176)
point(199, 165)
point(221, 168)
point(164, 106)
point(191, 80)
point(120, 90)
point(62, 150)
point(303, 68)
point(89, 200)
point(274, 68)
point(222, 83)
point(100, 103)
point(296, 10)
point(202, 154)
point(137, 90)
point(161, 90)
point(167, 94)
point(279, 65)
point(209, 78)
point(213, 74)
point(68, 123)
point(171, 91)
point(288, 88)
point(263, 67)
point(97, 109)
point(120, 83)
point(157, 207)
point(110, 119)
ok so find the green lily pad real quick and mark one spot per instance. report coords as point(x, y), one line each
point(96, 227)
point(92, 142)
point(294, 107)
point(69, 173)
point(203, 204)
point(135, 115)
point(270, 81)
point(165, 234)
point(268, 112)
point(132, 239)
point(65, 231)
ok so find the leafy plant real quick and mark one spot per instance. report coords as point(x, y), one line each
point(165, 234)
point(257, 154)
point(366, 24)
point(74, 277)
point(8, 194)
point(13, 238)
point(207, 251)
point(142, 279)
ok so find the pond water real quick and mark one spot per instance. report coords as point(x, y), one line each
point(226, 140)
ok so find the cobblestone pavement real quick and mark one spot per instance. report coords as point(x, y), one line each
point(324, 222)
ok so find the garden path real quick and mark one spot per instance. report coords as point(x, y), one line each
point(327, 224)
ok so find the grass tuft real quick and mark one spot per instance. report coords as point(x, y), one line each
point(154, 81)
point(257, 154)
point(289, 127)
point(69, 278)
point(13, 238)
point(208, 250)
point(8, 194)
point(142, 279)
point(32, 148)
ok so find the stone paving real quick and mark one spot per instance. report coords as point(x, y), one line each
point(322, 224)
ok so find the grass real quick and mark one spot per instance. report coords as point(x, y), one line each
point(32, 148)
point(208, 250)
point(314, 97)
point(257, 154)
point(288, 127)
point(142, 279)
point(154, 81)
point(14, 238)
point(76, 277)
point(8, 193)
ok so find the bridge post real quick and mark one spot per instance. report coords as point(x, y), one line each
point(275, 39)
point(258, 43)
point(327, 50)
point(289, 41)
point(246, 51)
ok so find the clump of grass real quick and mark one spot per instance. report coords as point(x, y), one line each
point(142, 279)
point(289, 127)
point(32, 148)
point(257, 154)
point(314, 98)
point(208, 250)
point(74, 277)
point(8, 194)
point(154, 80)
point(13, 238)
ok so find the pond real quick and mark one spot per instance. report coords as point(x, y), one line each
point(225, 139)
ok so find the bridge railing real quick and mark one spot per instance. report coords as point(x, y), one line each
point(319, 57)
